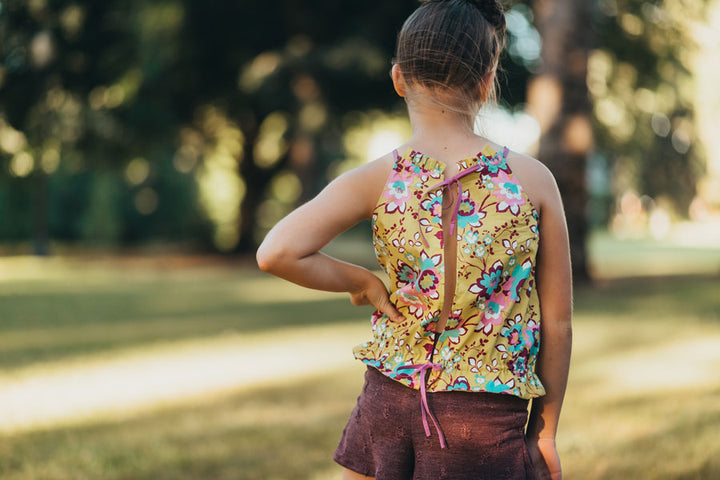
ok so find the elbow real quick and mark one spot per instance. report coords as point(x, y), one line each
point(267, 259)
point(559, 320)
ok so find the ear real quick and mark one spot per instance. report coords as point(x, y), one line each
point(398, 80)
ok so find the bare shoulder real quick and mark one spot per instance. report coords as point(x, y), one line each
point(364, 184)
point(376, 169)
point(534, 177)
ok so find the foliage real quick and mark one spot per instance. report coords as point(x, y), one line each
point(641, 80)
point(203, 121)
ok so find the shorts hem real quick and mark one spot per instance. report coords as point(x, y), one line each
point(343, 462)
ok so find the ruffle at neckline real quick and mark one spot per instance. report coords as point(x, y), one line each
point(429, 163)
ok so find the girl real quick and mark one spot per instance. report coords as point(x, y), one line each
point(473, 237)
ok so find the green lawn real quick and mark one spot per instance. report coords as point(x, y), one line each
point(643, 400)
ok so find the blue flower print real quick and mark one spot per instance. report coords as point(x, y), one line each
point(461, 383)
point(496, 386)
point(489, 282)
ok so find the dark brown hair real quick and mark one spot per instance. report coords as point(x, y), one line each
point(452, 47)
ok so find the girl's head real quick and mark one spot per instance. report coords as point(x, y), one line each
point(448, 52)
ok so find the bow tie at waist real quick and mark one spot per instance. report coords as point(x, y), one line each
point(425, 408)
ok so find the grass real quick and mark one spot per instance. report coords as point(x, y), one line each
point(93, 310)
point(643, 399)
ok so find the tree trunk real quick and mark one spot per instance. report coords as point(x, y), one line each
point(558, 97)
point(41, 240)
point(257, 180)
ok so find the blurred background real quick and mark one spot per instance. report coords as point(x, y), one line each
point(147, 146)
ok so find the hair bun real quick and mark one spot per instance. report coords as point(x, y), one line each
point(493, 12)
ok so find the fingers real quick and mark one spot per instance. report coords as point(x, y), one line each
point(386, 307)
point(545, 459)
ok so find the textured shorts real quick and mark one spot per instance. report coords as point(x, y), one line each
point(385, 438)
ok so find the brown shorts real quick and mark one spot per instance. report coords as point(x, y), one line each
point(385, 438)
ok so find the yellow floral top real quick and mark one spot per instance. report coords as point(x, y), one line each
point(491, 340)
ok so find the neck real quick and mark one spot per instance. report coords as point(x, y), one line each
point(441, 132)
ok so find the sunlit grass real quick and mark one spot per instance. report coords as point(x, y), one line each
point(280, 432)
point(98, 308)
point(643, 400)
point(691, 249)
point(91, 387)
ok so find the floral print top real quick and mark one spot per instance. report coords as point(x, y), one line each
point(491, 339)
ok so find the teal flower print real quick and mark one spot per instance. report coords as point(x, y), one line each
point(468, 213)
point(517, 278)
point(489, 281)
point(519, 364)
point(433, 204)
point(496, 386)
point(514, 336)
point(405, 273)
point(461, 383)
point(453, 328)
point(471, 237)
point(531, 337)
point(496, 163)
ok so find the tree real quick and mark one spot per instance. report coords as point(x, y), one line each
point(559, 99)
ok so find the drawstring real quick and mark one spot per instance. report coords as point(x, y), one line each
point(446, 183)
point(421, 369)
point(424, 406)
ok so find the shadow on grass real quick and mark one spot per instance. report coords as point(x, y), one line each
point(89, 330)
point(649, 297)
point(283, 432)
point(49, 325)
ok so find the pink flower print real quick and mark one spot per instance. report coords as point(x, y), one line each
point(531, 334)
point(407, 297)
point(517, 278)
point(397, 191)
point(508, 193)
point(493, 314)
point(514, 336)
point(513, 332)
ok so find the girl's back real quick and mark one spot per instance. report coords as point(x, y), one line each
point(478, 260)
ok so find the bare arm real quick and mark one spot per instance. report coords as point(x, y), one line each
point(554, 285)
point(291, 250)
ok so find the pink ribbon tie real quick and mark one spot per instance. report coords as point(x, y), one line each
point(450, 181)
point(424, 406)
point(446, 183)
